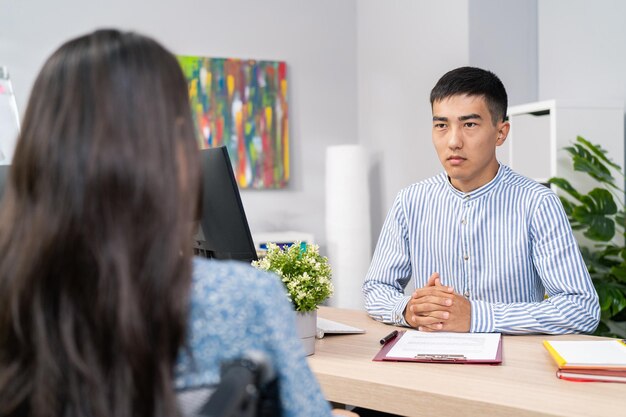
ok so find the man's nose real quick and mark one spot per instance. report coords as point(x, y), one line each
point(455, 139)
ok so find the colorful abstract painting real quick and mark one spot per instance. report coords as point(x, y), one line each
point(242, 104)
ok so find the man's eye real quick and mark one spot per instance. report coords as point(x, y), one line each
point(440, 125)
point(470, 124)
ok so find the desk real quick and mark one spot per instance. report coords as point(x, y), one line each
point(524, 385)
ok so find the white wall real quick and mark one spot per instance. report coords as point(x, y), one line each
point(316, 38)
point(360, 71)
point(404, 46)
point(503, 39)
point(582, 49)
point(582, 55)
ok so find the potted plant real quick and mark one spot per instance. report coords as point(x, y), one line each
point(600, 216)
point(306, 276)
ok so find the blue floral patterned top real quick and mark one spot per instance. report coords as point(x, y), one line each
point(236, 308)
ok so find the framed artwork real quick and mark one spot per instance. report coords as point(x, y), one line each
point(242, 104)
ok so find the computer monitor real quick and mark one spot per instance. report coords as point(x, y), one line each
point(224, 231)
point(223, 228)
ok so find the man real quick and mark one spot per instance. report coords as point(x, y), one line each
point(483, 244)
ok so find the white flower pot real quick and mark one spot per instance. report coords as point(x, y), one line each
point(306, 327)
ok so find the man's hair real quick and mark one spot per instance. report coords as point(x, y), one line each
point(473, 81)
point(96, 232)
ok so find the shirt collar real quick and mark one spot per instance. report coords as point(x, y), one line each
point(483, 190)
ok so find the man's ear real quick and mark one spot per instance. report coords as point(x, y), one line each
point(503, 132)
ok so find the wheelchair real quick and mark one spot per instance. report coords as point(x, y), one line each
point(248, 387)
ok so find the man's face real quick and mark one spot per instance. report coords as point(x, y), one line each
point(465, 139)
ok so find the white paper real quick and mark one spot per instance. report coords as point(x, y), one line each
point(591, 352)
point(473, 346)
point(348, 223)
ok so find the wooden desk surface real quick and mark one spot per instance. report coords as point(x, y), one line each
point(524, 385)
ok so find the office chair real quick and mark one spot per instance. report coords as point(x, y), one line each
point(248, 388)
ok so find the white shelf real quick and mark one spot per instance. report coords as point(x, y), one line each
point(540, 131)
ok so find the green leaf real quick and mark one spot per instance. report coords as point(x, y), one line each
point(610, 250)
point(597, 217)
point(595, 213)
point(598, 151)
point(619, 272)
point(598, 263)
point(606, 261)
point(591, 166)
point(591, 159)
point(619, 302)
point(600, 229)
point(603, 264)
point(565, 185)
point(604, 201)
point(612, 296)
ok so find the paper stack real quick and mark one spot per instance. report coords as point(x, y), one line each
point(589, 360)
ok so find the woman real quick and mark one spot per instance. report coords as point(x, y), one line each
point(95, 237)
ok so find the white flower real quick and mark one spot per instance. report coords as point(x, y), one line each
point(305, 274)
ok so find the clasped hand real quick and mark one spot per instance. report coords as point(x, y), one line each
point(437, 308)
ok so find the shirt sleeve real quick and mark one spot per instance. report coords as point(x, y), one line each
point(390, 270)
point(300, 393)
point(571, 305)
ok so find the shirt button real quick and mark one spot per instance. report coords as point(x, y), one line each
point(465, 257)
point(466, 294)
point(464, 221)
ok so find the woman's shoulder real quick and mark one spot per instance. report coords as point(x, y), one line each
point(229, 303)
point(227, 279)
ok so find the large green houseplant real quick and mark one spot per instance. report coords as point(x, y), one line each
point(600, 216)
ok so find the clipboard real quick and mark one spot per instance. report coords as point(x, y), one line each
point(383, 355)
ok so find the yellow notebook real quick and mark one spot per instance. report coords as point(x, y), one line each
point(588, 354)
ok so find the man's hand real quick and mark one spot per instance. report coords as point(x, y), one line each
point(458, 320)
point(427, 306)
point(438, 308)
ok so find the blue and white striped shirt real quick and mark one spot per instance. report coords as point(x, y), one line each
point(504, 246)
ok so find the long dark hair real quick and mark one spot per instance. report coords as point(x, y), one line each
point(96, 233)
